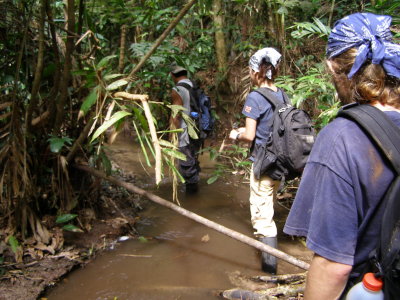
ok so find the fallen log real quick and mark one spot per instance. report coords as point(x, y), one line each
point(222, 229)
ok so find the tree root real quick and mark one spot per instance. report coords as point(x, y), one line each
point(265, 287)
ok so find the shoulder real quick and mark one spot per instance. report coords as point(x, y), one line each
point(335, 136)
point(255, 97)
point(343, 147)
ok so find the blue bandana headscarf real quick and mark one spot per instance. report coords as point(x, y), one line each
point(371, 35)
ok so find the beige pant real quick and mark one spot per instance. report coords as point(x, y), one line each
point(262, 196)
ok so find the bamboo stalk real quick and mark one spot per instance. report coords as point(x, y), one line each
point(122, 46)
point(222, 229)
point(152, 128)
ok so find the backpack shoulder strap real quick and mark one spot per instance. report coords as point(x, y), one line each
point(379, 127)
point(193, 99)
point(185, 85)
point(387, 136)
point(271, 97)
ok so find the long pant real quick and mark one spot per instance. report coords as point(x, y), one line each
point(190, 168)
point(262, 196)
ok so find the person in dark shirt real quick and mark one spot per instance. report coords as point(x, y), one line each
point(346, 176)
point(258, 111)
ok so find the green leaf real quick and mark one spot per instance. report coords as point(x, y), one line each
point(57, 143)
point(174, 169)
point(73, 228)
point(167, 144)
point(112, 76)
point(212, 179)
point(116, 84)
point(142, 239)
point(65, 218)
point(89, 100)
point(142, 144)
point(175, 109)
point(174, 153)
point(105, 60)
point(13, 243)
point(115, 118)
point(106, 163)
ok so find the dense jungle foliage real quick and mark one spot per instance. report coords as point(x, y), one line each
point(61, 63)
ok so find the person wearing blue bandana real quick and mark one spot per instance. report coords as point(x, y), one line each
point(263, 67)
point(346, 176)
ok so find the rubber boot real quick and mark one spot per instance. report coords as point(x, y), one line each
point(268, 261)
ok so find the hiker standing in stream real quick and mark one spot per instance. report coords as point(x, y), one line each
point(180, 95)
point(337, 206)
point(263, 66)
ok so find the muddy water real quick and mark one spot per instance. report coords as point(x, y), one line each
point(177, 258)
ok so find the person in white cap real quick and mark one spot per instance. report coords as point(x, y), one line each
point(258, 111)
point(180, 95)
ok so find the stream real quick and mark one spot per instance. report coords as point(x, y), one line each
point(176, 257)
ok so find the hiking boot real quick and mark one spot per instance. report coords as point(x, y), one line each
point(268, 261)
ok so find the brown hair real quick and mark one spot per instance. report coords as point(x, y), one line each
point(369, 84)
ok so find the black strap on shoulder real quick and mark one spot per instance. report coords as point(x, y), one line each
point(270, 95)
point(387, 136)
point(193, 101)
point(379, 127)
point(185, 85)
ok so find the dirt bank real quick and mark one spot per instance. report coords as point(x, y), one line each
point(43, 266)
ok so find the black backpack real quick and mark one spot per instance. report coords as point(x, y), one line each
point(385, 259)
point(200, 109)
point(286, 151)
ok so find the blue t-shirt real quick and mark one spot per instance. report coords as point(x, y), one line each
point(342, 184)
point(258, 108)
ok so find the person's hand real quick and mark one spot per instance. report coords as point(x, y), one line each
point(233, 135)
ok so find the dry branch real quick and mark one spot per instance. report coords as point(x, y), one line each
point(213, 225)
point(162, 37)
point(272, 293)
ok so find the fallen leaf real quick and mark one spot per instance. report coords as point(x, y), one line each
point(205, 238)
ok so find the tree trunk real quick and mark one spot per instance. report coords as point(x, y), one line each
point(124, 29)
point(39, 68)
point(220, 45)
point(66, 76)
point(57, 78)
point(331, 13)
point(271, 20)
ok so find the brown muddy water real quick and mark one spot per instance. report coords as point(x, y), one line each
point(178, 258)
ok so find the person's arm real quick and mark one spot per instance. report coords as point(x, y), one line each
point(326, 279)
point(245, 134)
point(176, 100)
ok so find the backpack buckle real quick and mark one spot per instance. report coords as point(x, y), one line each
point(283, 109)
